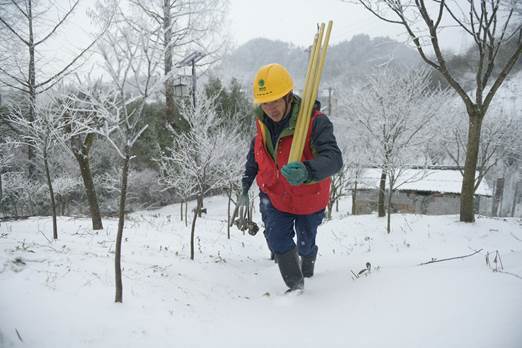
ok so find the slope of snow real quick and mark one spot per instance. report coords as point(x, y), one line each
point(61, 294)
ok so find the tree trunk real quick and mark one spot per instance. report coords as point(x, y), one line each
point(186, 213)
point(468, 181)
point(62, 206)
point(121, 220)
point(200, 205)
point(167, 63)
point(181, 211)
point(85, 170)
point(193, 230)
point(388, 217)
point(170, 108)
point(229, 193)
point(1, 195)
point(32, 83)
point(331, 200)
point(354, 199)
point(51, 194)
point(515, 198)
point(382, 190)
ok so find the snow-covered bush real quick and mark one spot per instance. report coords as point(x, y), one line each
point(22, 196)
point(66, 189)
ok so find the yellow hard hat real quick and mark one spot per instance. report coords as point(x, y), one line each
point(271, 83)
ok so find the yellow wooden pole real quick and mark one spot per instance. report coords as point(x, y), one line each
point(321, 62)
point(312, 80)
point(301, 118)
point(297, 147)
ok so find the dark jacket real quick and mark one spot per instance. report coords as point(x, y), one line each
point(327, 160)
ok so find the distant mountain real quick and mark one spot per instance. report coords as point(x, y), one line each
point(347, 62)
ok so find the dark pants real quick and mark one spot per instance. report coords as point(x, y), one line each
point(279, 228)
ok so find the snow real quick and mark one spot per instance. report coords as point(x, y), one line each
point(434, 180)
point(232, 295)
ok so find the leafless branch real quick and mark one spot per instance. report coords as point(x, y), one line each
point(71, 10)
point(14, 32)
point(502, 76)
point(368, 6)
point(20, 9)
point(449, 258)
point(72, 62)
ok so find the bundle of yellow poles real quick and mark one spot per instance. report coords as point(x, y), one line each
point(313, 77)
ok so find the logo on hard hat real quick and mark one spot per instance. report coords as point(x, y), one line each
point(261, 84)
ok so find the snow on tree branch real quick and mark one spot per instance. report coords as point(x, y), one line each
point(202, 153)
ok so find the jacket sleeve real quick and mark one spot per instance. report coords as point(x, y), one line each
point(328, 160)
point(250, 168)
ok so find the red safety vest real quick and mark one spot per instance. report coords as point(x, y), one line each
point(303, 199)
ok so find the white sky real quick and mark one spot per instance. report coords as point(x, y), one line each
point(286, 20)
point(295, 21)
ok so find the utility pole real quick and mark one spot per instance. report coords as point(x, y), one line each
point(329, 101)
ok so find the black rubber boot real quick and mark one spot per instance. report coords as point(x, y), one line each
point(290, 269)
point(308, 264)
point(272, 255)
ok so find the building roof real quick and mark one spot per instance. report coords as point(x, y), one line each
point(430, 180)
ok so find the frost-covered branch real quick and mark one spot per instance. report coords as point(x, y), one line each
point(200, 158)
point(394, 112)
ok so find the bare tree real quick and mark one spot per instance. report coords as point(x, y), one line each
point(356, 163)
point(352, 143)
point(490, 23)
point(200, 152)
point(129, 59)
point(180, 26)
point(338, 189)
point(500, 134)
point(398, 175)
point(18, 194)
point(42, 134)
point(395, 110)
point(64, 187)
point(80, 146)
point(27, 27)
point(234, 164)
point(172, 177)
point(355, 159)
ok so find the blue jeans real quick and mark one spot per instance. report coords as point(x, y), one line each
point(279, 228)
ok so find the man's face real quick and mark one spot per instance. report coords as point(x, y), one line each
point(275, 109)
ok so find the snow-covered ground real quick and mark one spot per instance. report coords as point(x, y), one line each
point(61, 294)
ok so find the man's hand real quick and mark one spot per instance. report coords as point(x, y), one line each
point(243, 200)
point(295, 172)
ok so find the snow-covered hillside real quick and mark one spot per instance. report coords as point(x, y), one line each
point(60, 294)
point(509, 95)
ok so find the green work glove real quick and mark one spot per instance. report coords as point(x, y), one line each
point(243, 200)
point(295, 172)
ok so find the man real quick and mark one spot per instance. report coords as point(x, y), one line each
point(292, 195)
